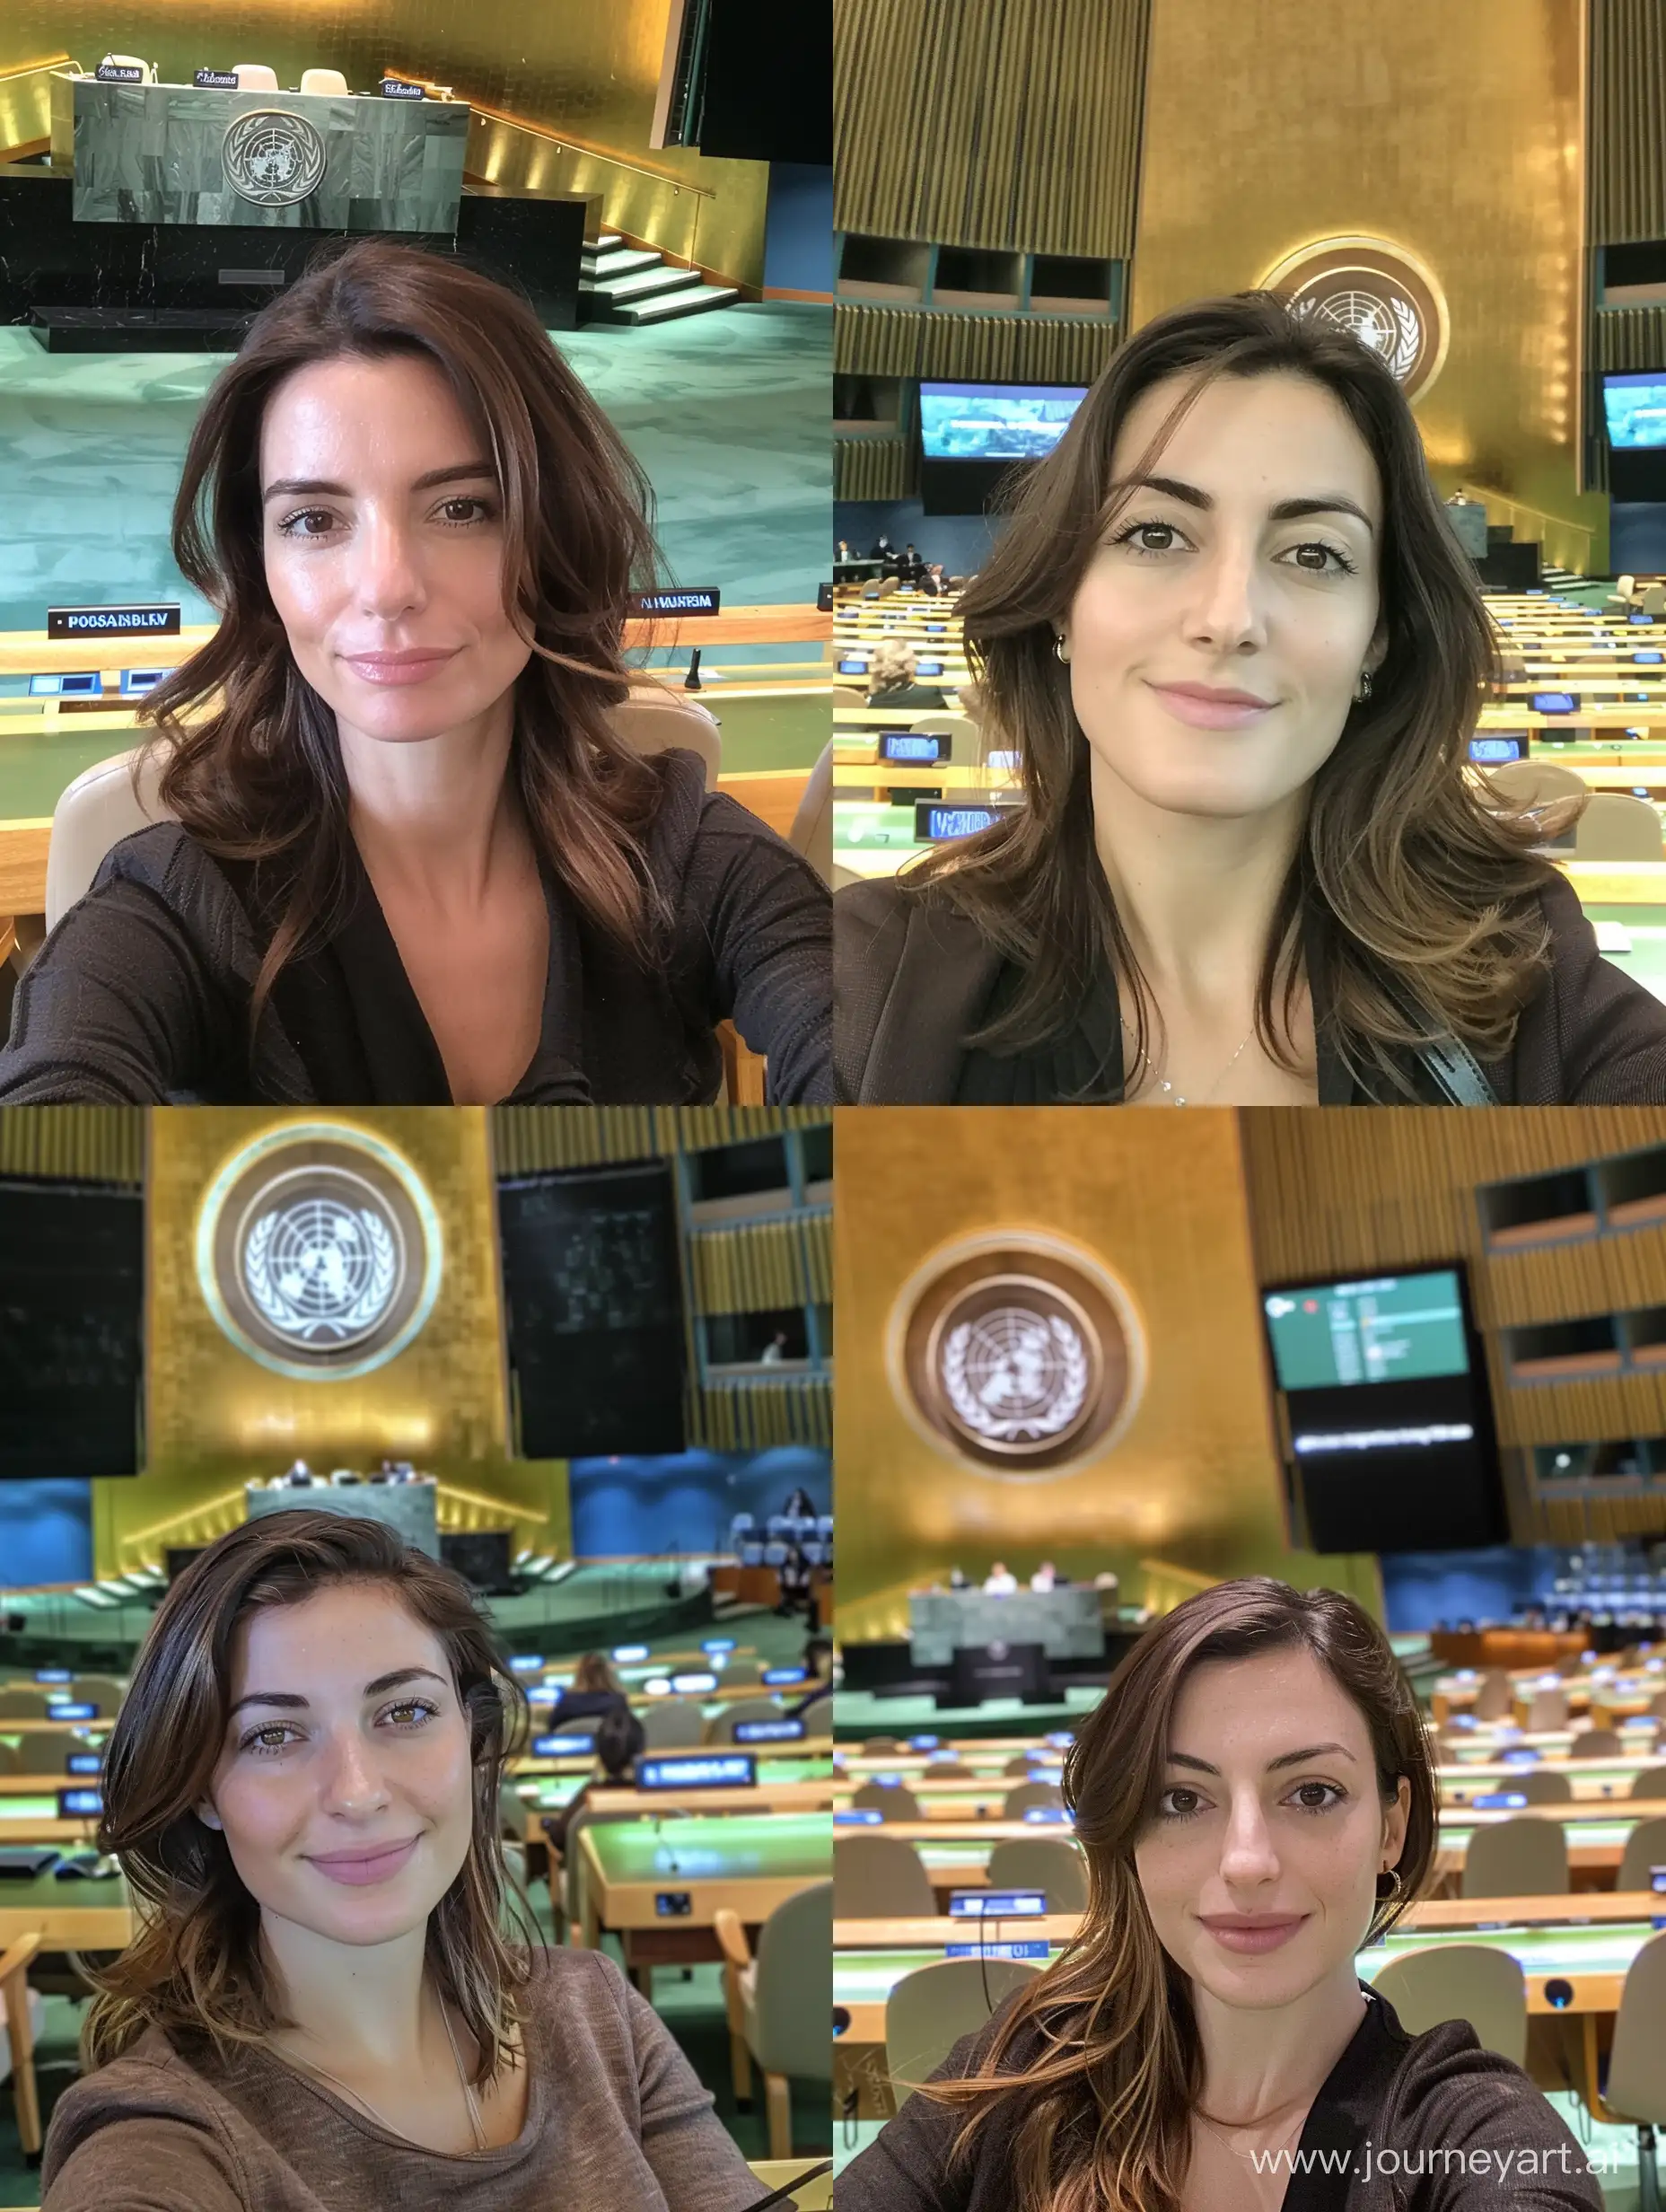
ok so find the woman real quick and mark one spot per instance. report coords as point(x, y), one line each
point(591, 1692)
point(319, 2005)
point(1255, 1800)
point(620, 1741)
point(1238, 652)
point(413, 862)
point(890, 678)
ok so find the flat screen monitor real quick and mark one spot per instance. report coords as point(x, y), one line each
point(1634, 405)
point(914, 747)
point(1552, 703)
point(851, 666)
point(72, 1328)
point(710, 1770)
point(1652, 654)
point(137, 682)
point(84, 683)
point(482, 1557)
point(928, 668)
point(995, 422)
point(1391, 1441)
point(783, 1731)
point(936, 824)
point(1493, 750)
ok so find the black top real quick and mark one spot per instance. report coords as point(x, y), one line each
point(586, 1705)
point(140, 996)
point(1426, 2098)
point(910, 694)
point(914, 977)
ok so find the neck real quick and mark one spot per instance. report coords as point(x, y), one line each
point(1195, 893)
point(435, 816)
point(1257, 2061)
point(359, 2013)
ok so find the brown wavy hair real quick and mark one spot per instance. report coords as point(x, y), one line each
point(195, 1966)
point(256, 774)
point(1429, 894)
point(1102, 2108)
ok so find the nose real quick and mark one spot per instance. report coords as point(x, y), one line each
point(388, 574)
point(350, 1773)
point(1246, 1853)
point(1225, 611)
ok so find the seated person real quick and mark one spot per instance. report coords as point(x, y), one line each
point(1238, 652)
point(1255, 1798)
point(1000, 1582)
point(413, 863)
point(620, 1741)
point(891, 678)
point(591, 1692)
point(320, 2003)
point(817, 1703)
point(1046, 1576)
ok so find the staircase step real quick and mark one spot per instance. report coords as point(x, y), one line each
point(643, 284)
point(619, 261)
point(694, 301)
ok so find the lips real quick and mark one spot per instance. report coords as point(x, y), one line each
point(376, 1863)
point(414, 665)
point(1205, 708)
point(1254, 1933)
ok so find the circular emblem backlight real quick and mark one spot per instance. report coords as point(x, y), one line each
point(1381, 293)
point(1017, 1352)
point(272, 158)
point(318, 1251)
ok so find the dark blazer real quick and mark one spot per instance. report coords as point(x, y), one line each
point(140, 996)
point(1416, 2095)
point(585, 1705)
point(912, 977)
point(897, 695)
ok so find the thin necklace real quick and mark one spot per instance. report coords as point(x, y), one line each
point(1162, 1081)
point(475, 2120)
point(1268, 2150)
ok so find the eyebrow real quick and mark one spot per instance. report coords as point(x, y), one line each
point(1286, 511)
point(1284, 1759)
point(289, 1702)
point(465, 472)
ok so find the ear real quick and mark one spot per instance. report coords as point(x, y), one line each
point(1378, 650)
point(209, 1817)
point(1394, 1818)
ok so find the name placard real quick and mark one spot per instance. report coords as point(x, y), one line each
point(112, 621)
point(119, 73)
point(215, 80)
point(398, 88)
point(699, 599)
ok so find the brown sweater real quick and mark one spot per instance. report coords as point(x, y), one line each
point(615, 2121)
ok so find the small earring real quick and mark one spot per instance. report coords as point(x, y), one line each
point(1058, 649)
point(1363, 693)
point(1387, 1896)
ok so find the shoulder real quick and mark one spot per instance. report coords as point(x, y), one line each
point(1450, 2093)
point(695, 832)
point(148, 2115)
point(1594, 1035)
point(910, 974)
point(164, 855)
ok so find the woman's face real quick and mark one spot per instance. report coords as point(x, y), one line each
point(1260, 1871)
point(382, 529)
point(323, 1766)
point(1217, 635)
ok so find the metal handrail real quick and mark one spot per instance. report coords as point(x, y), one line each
point(1523, 506)
point(594, 153)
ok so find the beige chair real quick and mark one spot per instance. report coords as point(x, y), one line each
point(929, 2011)
point(811, 833)
point(1615, 826)
point(1048, 1864)
point(1547, 1713)
point(770, 2021)
point(1537, 787)
point(816, 2195)
point(676, 1725)
point(1020, 1765)
point(100, 1689)
point(331, 83)
point(102, 806)
point(1596, 1743)
point(893, 1801)
point(1649, 1782)
point(47, 1751)
point(950, 1770)
point(1645, 1848)
point(1625, 587)
point(1541, 1786)
point(742, 1675)
point(1460, 1981)
point(23, 2011)
point(1031, 1796)
point(720, 1728)
point(880, 1877)
point(8, 1760)
point(1634, 2095)
point(22, 1704)
point(1657, 1704)
point(1520, 1857)
point(255, 76)
point(1495, 1698)
point(880, 1745)
point(1652, 600)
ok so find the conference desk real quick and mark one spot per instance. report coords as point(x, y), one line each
point(69, 1916)
point(657, 1885)
point(1067, 1623)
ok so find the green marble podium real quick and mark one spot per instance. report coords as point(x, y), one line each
point(1066, 1623)
point(176, 153)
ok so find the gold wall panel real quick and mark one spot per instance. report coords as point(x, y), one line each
point(26, 104)
point(874, 469)
point(1385, 1187)
point(215, 1418)
point(1193, 1481)
point(588, 74)
point(88, 1144)
point(1010, 124)
point(754, 1417)
point(1456, 132)
point(1628, 122)
point(527, 1137)
point(913, 341)
point(1628, 337)
point(762, 1266)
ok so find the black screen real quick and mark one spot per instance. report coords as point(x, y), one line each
point(72, 1330)
point(769, 82)
point(593, 1296)
point(481, 1556)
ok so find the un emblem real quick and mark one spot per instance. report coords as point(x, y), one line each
point(318, 1251)
point(1019, 1354)
point(1381, 293)
point(272, 158)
